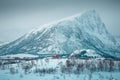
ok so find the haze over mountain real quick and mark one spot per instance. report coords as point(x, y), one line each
point(1, 42)
point(81, 31)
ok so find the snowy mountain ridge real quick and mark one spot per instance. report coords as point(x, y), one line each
point(82, 31)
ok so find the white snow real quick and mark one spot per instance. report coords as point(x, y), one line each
point(21, 55)
point(85, 76)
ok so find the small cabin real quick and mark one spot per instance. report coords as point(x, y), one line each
point(55, 56)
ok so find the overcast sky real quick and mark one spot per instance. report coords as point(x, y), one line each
point(18, 17)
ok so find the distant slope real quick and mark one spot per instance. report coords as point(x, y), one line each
point(82, 31)
point(1, 42)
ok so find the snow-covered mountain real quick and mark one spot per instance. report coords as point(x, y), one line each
point(81, 31)
point(118, 39)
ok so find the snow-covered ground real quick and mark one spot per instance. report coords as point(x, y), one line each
point(60, 69)
point(21, 55)
point(86, 76)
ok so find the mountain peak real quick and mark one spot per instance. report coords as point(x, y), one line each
point(86, 15)
point(91, 15)
point(90, 12)
point(81, 31)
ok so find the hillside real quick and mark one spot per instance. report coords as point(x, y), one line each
point(81, 31)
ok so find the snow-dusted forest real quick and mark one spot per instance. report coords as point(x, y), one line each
point(60, 69)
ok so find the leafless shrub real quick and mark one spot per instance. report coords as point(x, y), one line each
point(90, 65)
point(43, 71)
point(13, 70)
point(26, 67)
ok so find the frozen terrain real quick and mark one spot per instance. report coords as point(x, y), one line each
point(75, 48)
point(60, 69)
point(21, 56)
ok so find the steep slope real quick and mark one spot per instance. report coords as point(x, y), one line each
point(82, 31)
